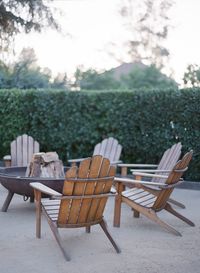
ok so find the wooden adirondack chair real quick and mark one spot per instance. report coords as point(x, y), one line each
point(85, 193)
point(22, 149)
point(148, 201)
point(109, 148)
point(167, 162)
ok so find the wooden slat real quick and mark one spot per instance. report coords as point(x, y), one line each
point(36, 147)
point(168, 160)
point(118, 151)
point(98, 189)
point(113, 148)
point(173, 178)
point(90, 188)
point(50, 202)
point(109, 147)
point(143, 198)
point(148, 203)
point(131, 192)
point(22, 150)
point(67, 190)
point(30, 148)
point(19, 151)
point(97, 149)
point(107, 188)
point(25, 158)
point(13, 150)
point(79, 189)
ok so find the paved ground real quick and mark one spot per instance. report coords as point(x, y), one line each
point(146, 248)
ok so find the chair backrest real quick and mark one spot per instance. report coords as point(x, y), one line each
point(173, 177)
point(168, 160)
point(92, 179)
point(22, 149)
point(109, 148)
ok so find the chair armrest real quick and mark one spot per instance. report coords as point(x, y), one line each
point(150, 175)
point(44, 189)
point(150, 171)
point(77, 160)
point(7, 160)
point(137, 165)
point(133, 181)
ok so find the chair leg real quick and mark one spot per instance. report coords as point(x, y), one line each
point(169, 208)
point(38, 211)
point(7, 201)
point(178, 204)
point(88, 229)
point(104, 227)
point(153, 216)
point(58, 238)
point(118, 204)
point(136, 213)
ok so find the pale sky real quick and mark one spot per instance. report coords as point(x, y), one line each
point(94, 24)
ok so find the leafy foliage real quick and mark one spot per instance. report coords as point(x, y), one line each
point(92, 80)
point(145, 122)
point(147, 23)
point(192, 76)
point(25, 74)
point(147, 77)
point(20, 15)
point(139, 77)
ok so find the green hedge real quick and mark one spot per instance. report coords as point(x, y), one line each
point(146, 122)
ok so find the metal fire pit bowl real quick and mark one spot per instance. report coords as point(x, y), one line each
point(14, 180)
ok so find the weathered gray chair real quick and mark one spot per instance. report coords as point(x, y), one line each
point(167, 162)
point(85, 193)
point(22, 149)
point(149, 202)
point(109, 148)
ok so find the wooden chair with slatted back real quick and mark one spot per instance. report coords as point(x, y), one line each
point(109, 148)
point(167, 162)
point(82, 202)
point(143, 199)
point(22, 150)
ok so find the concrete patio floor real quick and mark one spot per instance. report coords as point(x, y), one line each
point(146, 247)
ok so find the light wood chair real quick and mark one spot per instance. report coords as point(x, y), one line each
point(147, 201)
point(22, 149)
point(109, 148)
point(167, 162)
point(85, 193)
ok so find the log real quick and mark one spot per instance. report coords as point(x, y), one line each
point(45, 165)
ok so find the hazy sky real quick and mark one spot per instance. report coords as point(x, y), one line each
point(93, 24)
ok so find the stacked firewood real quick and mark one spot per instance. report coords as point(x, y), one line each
point(45, 165)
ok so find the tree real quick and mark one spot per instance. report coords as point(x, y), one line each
point(192, 76)
point(23, 16)
point(25, 73)
point(147, 77)
point(60, 81)
point(92, 80)
point(147, 23)
point(4, 75)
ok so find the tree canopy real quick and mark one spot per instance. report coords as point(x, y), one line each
point(139, 77)
point(23, 16)
point(192, 76)
point(147, 25)
point(25, 74)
